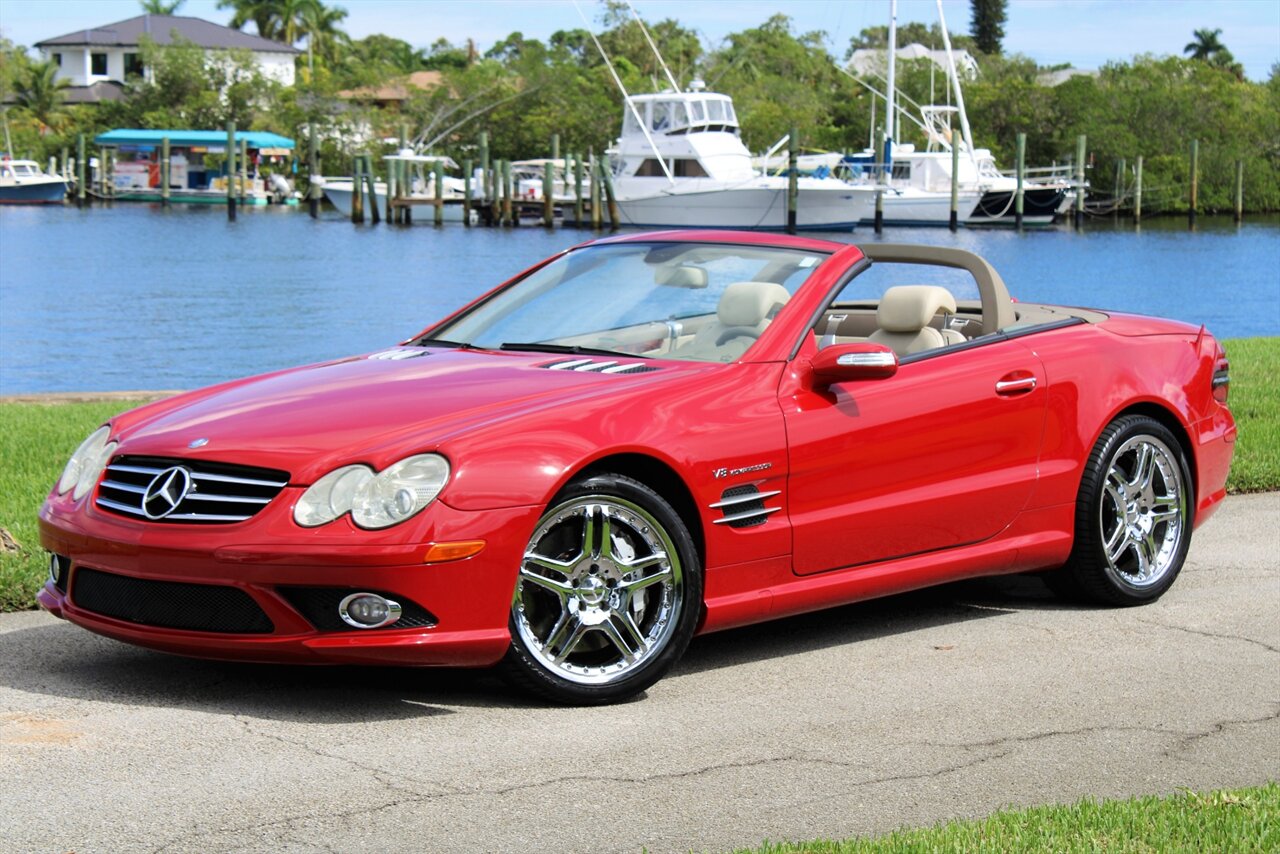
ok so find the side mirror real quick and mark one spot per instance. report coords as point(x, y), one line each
point(844, 362)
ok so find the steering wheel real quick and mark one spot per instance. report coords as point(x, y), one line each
point(736, 332)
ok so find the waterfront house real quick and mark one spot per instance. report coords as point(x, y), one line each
point(97, 61)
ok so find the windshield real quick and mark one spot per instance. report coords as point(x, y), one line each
point(698, 301)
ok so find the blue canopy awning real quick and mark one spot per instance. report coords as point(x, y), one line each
point(184, 138)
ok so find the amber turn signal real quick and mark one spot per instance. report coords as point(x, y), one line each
point(442, 552)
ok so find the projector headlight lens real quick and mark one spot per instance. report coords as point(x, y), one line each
point(86, 464)
point(374, 499)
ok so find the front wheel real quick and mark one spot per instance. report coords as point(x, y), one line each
point(1133, 515)
point(608, 594)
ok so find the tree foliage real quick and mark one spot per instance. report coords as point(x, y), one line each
point(987, 24)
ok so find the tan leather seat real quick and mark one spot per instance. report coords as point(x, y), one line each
point(904, 315)
point(744, 311)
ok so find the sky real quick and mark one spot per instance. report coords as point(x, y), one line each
point(1084, 33)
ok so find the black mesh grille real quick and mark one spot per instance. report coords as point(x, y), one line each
point(168, 604)
point(215, 493)
point(744, 507)
point(320, 606)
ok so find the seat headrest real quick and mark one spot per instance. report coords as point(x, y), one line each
point(909, 308)
point(748, 303)
point(682, 276)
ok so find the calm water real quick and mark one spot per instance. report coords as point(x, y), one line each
point(138, 297)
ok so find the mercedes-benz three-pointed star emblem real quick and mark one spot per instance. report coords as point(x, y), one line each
point(165, 492)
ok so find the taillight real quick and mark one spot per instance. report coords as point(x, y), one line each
point(1221, 379)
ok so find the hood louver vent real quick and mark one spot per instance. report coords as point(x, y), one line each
point(400, 353)
point(597, 366)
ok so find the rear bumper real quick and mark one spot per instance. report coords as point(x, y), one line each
point(470, 598)
point(1215, 439)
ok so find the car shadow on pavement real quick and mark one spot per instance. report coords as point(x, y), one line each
point(65, 661)
point(932, 607)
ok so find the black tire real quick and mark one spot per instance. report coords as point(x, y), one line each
point(583, 606)
point(1133, 517)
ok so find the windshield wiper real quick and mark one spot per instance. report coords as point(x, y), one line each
point(443, 342)
point(572, 349)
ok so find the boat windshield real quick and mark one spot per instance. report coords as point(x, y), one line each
point(696, 301)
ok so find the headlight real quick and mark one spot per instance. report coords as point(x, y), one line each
point(87, 463)
point(374, 500)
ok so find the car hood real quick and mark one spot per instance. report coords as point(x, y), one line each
point(375, 408)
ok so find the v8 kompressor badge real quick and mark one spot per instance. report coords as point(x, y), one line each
point(727, 472)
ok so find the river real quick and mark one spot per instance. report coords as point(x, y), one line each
point(139, 297)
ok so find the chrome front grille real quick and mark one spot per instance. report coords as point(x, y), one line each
point(187, 491)
point(743, 506)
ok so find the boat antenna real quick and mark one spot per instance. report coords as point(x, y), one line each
point(627, 98)
point(675, 87)
point(955, 81)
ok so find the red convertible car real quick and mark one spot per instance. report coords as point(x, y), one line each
point(638, 440)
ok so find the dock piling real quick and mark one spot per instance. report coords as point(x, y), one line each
point(166, 166)
point(1137, 190)
point(793, 179)
point(231, 171)
point(548, 190)
point(375, 215)
point(466, 193)
point(954, 221)
point(313, 172)
point(510, 210)
point(606, 174)
point(577, 190)
point(438, 182)
point(597, 219)
point(485, 195)
point(244, 170)
point(80, 170)
point(1239, 191)
point(1021, 166)
point(1081, 143)
point(357, 190)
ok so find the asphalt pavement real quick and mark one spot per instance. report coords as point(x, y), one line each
point(946, 703)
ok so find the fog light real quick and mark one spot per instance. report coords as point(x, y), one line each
point(368, 611)
point(57, 570)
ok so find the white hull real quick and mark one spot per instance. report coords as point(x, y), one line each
point(338, 191)
point(760, 204)
point(919, 207)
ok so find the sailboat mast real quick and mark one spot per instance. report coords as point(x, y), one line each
point(891, 94)
point(955, 81)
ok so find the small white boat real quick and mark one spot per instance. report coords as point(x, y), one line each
point(23, 182)
point(679, 162)
point(339, 191)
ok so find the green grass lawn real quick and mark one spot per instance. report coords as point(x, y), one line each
point(1240, 821)
point(36, 440)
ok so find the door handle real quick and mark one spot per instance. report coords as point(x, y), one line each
point(1012, 384)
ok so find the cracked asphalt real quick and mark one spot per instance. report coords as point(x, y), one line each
point(946, 703)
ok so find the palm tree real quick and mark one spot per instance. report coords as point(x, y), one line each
point(39, 90)
point(160, 7)
point(265, 15)
point(1204, 44)
point(320, 25)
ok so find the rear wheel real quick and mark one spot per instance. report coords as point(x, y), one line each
point(608, 594)
point(1133, 515)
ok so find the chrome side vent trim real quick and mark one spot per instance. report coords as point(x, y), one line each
point(744, 506)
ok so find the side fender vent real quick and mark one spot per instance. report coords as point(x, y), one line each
point(744, 506)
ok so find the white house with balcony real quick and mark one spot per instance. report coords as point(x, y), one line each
point(112, 53)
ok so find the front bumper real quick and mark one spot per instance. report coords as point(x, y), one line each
point(267, 556)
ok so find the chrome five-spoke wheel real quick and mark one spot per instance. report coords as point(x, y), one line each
point(1143, 511)
point(1133, 515)
point(600, 599)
